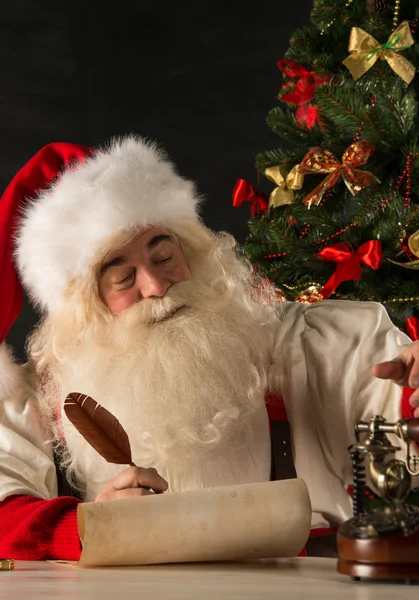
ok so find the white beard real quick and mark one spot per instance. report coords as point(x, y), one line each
point(188, 390)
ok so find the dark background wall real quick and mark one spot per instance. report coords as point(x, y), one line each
point(198, 76)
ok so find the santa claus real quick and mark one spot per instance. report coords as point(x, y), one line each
point(163, 322)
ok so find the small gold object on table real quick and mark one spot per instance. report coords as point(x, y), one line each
point(7, 564)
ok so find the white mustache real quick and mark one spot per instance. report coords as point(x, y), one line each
point(164, 315)
point(192, 295)
point(154, 310)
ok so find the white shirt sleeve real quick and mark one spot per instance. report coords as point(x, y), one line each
point(26, 460)
point(322, 364)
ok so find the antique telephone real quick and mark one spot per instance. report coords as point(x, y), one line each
point(382, 542)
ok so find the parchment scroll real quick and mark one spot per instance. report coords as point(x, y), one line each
point(260, 520)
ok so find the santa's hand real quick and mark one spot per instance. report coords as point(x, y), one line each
point(403, 370)
point(132, 483)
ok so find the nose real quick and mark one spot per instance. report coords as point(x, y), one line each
point(151, 284)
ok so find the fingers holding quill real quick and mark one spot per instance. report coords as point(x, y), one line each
point(102, 430)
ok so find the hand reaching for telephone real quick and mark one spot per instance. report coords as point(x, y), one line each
point(403, 370)
point(132, 483)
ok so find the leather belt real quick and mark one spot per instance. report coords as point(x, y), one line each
point(282, 460)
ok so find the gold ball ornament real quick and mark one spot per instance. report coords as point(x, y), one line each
point(279, 295)
point(310, 295)
point(413, 243)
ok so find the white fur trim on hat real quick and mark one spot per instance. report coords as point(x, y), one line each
point(130, 183)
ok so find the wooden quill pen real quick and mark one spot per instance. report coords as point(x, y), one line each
point(100, 428)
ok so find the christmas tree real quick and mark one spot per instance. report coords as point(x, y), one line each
point(340, 218)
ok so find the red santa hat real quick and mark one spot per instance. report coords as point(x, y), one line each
point(81, 198)
point(31, 179)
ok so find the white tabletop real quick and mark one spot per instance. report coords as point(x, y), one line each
point(282, 579)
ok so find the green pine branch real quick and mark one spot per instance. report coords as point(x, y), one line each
point(379, 107)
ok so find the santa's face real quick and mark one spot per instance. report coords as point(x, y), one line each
point(144, 268)
point(184, 369)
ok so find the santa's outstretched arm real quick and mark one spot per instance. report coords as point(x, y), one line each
point(322, 364)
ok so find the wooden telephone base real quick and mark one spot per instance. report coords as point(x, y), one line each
point(391, 556)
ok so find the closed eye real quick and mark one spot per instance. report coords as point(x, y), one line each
point(126, 279)
point(164, 260)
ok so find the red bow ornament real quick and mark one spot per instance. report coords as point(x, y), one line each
point(302, 91)
point(245, 192)
point(412, 328)
point(349, 262)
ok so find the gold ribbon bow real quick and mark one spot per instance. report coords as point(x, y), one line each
point(284, 193)
point(413, 245)
point(365, 51)
point(318, 160)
